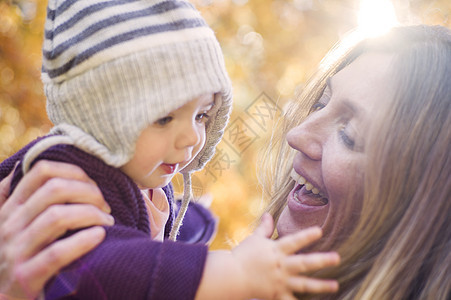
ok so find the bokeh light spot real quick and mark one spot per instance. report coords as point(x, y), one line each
point(6, 75)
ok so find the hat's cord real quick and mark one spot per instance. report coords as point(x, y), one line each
point(187, 195)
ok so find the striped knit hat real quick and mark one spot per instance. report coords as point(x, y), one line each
point(113, 67)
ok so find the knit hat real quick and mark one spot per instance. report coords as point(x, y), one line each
point(113, 67)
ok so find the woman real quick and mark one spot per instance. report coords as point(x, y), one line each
point(372, 166)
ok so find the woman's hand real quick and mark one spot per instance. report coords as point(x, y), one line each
point(35, 215)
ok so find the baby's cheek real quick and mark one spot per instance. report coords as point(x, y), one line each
point(196, 150)
point(201, 144)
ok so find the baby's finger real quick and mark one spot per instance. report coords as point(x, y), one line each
point(294, 242)
point(303, 284)
point(35, 272)
point(55, 191)
point(266, 226)
point(38, 175)
point(311, 262)
point(56, 221)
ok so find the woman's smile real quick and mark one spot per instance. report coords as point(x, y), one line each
point(304, 208)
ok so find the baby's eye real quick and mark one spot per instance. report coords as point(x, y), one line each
point(163, 121)
point(203, 117)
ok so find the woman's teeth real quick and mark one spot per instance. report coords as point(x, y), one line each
point(302, 181)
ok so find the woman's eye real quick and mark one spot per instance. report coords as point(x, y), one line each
point(347, 140)
point(203, 117)
point(317, 106)
point(322, 101)
point(163, 121)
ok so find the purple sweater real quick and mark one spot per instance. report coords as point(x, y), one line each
point(128, 264)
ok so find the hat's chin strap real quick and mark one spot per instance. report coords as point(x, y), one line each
point(41, 146)
point(187, 195)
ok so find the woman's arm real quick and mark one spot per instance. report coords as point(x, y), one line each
point(34, 216)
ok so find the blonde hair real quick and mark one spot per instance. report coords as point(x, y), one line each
point(400, 247)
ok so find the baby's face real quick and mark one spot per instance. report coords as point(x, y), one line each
point(169, 144)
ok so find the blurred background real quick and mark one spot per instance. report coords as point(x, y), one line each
point(271, 47)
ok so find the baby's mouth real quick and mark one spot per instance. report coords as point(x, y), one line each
point(315, 196)
point(169, 168)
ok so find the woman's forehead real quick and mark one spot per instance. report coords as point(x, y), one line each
point(364, 83)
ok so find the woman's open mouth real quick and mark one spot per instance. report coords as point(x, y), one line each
point(306, 207)
point(306, 193)
point(306, 197)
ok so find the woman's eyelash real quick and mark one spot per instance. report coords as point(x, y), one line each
point(317, 106)
point(349, 142)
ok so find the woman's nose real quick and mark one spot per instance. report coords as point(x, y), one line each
point(189, 136)
point(307, 138)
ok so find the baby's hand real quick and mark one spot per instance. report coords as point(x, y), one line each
point(272, 269)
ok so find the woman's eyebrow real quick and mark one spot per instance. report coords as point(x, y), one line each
point(346, 103)
point(351, 106)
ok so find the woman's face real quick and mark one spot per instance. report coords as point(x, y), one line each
point(330, 147)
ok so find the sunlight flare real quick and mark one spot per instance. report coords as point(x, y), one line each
point(376, 17)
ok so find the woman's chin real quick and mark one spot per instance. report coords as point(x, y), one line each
point(303, 210)
point(290, 223)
